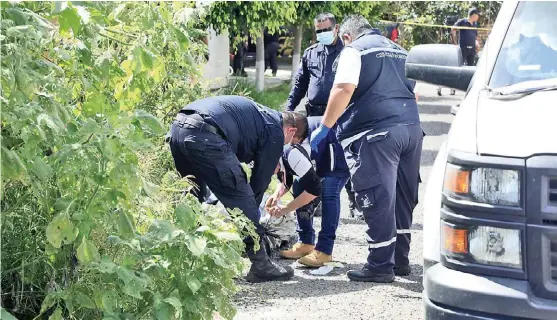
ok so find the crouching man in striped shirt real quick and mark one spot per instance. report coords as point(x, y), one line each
point(328, 177)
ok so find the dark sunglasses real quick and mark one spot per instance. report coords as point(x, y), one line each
point(324, 30)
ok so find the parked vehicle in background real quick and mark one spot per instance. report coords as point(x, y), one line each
point(490, 209)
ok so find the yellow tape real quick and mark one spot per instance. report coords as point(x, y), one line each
point(436, 25)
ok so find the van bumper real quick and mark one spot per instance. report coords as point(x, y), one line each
point(455, 295)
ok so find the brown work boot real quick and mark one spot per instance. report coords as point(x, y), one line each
point(315, 259)
point(297, 251)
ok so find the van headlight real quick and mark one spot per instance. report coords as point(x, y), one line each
point(482, 244)
point(496, 246)
point(483, 185)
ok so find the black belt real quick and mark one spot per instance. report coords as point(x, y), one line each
point(195, 120)
point(315, 109)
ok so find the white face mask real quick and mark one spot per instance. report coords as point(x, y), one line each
point(288, 145)
point(326, 37)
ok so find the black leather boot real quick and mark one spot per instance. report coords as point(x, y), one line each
point(402, 270)
point(366, 275)
point(264, 268)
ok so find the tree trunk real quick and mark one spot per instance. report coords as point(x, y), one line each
point(260, 63)
point(296, 56)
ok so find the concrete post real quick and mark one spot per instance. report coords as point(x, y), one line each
point(260, 63)
point(296, 54)
point(217, 70)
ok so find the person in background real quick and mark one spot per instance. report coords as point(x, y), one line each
point(209, 140)
point(467, 39)
point(373, 106)
point(271, 50)
point(240, 50)
point(315, 76)
point(333, 173)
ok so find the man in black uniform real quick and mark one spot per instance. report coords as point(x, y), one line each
point(467, 37)
point(239, 53)
point(315, 77)
point(211, 137)
point(272, 45)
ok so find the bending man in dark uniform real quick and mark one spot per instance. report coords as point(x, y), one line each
point(378, 125)
point(211, 137)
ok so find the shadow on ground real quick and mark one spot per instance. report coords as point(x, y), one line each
point(253, 294)
point(417, 226)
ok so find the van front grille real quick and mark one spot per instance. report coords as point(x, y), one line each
point(553, 260)
point(552, 196)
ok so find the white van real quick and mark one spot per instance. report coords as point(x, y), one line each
point(490, 209)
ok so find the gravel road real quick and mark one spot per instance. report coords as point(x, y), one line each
point(335, 297)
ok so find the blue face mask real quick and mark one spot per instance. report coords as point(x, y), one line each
point(326, 37)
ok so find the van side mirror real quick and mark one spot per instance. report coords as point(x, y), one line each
point(439, 64)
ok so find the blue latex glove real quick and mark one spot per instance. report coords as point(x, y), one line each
point(317, 136)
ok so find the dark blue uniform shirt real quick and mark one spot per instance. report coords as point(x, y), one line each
point(467, 37)
point(384, 96)
point(255, 133)
point(315, 75)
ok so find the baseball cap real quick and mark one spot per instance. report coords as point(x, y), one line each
point(473, 11)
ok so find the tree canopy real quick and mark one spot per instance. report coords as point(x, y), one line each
point(252, 16)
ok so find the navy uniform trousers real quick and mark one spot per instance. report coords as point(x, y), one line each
point(209, 157)
point(384, 169)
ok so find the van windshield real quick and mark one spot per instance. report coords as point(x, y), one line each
point(529, 51)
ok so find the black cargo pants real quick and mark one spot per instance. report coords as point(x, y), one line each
point(468, 55)
point(271, 52)
point(384, 169)
point(208, 156)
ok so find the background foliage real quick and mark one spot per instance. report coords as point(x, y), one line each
point(94, 221)
point(435, 12)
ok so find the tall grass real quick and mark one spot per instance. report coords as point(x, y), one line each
point(274, 98)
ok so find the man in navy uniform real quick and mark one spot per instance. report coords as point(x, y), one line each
point(315, 76)
point(378, 125)
point(211, 137)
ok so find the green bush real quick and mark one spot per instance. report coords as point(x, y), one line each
point(94, 221)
